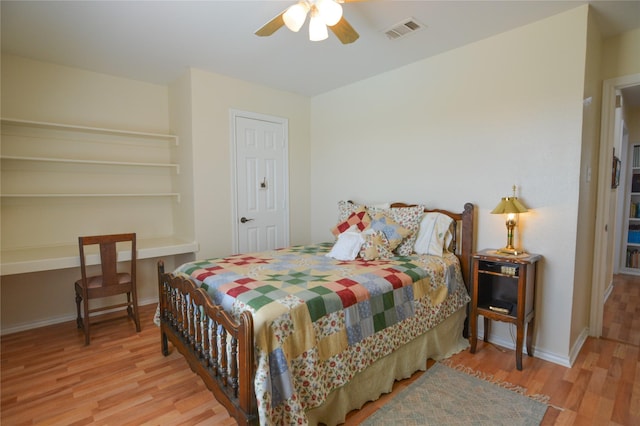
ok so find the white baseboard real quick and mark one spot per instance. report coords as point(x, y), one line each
point(577, 346)
point(60, 319)
point(607, 292)
point(537, 352)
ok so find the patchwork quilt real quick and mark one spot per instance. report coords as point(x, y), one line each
point(318, 321)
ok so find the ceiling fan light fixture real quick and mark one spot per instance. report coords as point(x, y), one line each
point(295, 16)
point(330, 11)
point(317, 28)
point(323, 14)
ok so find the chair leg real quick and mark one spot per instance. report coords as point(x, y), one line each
point(137, 319)
point(129, 305)
point(136, 313)
point(79, 318)
point(87, 324)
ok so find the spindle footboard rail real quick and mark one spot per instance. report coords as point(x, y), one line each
point(217, 347)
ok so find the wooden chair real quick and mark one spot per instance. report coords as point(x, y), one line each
point(110, 282)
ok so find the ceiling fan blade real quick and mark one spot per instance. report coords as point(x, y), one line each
point(344, 31)
point(271, 27)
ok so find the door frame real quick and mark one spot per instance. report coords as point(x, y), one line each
point(603, 213)
point(284, 123)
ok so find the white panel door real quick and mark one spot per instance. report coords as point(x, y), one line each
point(262, 220)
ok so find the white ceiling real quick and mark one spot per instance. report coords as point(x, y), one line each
point(156, 41)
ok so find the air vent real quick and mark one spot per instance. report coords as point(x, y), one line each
point(404, 28)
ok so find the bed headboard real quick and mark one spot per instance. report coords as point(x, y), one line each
point(463, 236)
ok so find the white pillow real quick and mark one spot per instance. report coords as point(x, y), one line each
point(348, 245)
point(434, 234)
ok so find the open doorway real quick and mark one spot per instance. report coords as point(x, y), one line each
point(622, 298)
point(608, 212)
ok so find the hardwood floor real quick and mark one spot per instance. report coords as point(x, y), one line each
point(621, 318)
point(602, 388)
point(48, 376)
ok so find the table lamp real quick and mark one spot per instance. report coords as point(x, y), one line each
point(510, 206)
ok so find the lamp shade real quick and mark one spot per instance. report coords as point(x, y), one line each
point(509, 205)
point(329, 11)
point(295, 16)
point(317, 29)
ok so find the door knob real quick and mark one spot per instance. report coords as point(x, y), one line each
point(245, 220)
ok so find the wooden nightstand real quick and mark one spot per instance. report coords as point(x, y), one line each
point(503, 289)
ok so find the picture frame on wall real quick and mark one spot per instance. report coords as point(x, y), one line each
point(615, 174)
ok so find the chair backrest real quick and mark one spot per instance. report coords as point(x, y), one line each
point(108, 255)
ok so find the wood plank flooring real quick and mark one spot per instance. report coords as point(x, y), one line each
point(621, 317)
point(49, 377)
point(602, 388)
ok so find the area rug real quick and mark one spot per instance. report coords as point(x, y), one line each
point(447, 396)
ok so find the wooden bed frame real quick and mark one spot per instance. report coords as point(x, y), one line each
point(198, 329)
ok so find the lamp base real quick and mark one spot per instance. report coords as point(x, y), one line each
point(511, 251)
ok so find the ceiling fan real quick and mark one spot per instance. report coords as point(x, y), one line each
point(323, 14)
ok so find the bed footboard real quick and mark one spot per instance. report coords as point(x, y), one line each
point(217, 348)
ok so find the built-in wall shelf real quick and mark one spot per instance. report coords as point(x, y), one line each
point(176, 167)
point(96, 195)
point(87, 129)
point(62, 181)
point(47, 258)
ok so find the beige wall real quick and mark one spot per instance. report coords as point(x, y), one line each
point(506, 110)
point(180, 119)
point(196, 107)
point(620, 56)
point(45, 92)
point(581, 300)
point(39, 91)
point(212, 98)
point(41, 298)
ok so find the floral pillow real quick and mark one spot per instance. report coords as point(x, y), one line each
point(375, 246)
point(345, 208)
point(392, 230)
point(358, 218)
point(407, 217)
